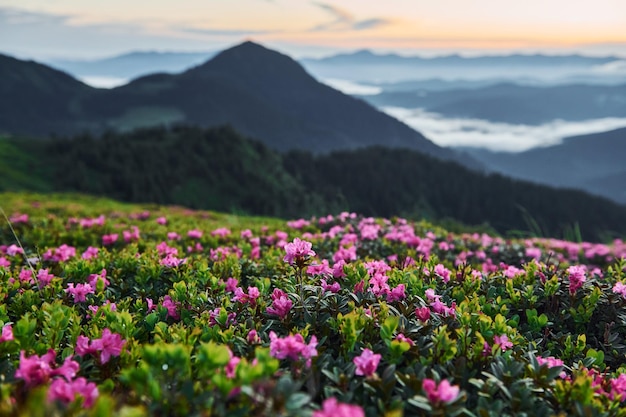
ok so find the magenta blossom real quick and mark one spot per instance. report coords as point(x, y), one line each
point(298, 251)
point(94, 278)
point(620, 288)
point(171, 307)
point(109, 239)
point(195, 234)
point(366, 363)
point(503, 342)
point(281, 304)
point(221, 232)
point(172, 261)
point(444, 392)
point(66, 392)
point(79, 292)
point(333, 408)
point(293, 347)
point(249, 298)
point(36, 370)
point(109, 344)
point(7, 333)
point(577, 277)
point(552, 362)
point(90, 253)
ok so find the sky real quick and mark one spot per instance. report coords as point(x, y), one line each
point(88, 29)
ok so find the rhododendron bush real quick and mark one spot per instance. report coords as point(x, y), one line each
point(108, 309)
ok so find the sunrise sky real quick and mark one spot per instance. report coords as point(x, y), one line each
point(90, 29)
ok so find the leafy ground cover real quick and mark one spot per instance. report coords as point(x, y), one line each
point(111, 309)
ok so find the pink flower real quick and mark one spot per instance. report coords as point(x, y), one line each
point(36, 370)
point(366, 363)
point(231, 284)
point(173, 236)
point(94, 278)
point(442, 272)
point(620, 288)
point(169, 304)
point(249, 298)
point(345, 254)
point(150, 303)
point(397, 294)
point(83, 346)
point(618, 388)
point(131, 236)
point(298, 251)
point(321, 269)
point(161, 220)
point(4, 262)
point(422, 314)
point(195, 234)
point(172, 261)
point(231, 366)
point(17, 218)
point(110, 239)
point(221, 232)
point(79, 293)
point(68, 370)
point(26, 275)
point(281, 304)
point(253, 337)
point(90, 253)
point(110, 344)
point(333, 408)
point(293, 347)
point(66, 392)
point(503, 342)
point(576, 278)
point(7, 333)
point(164, 249)
point(552, 362)
point(444, 392)
point(338, 269)
point(334, 287)
point(402, 338)
point(14, 250)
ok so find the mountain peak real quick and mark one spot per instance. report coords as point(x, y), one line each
point(252, 61)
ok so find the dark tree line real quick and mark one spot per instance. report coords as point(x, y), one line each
point(221, 170)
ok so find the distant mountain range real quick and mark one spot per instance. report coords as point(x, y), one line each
point(366, 66)
point(594, 163)
point(512, 103)
point(262, 93)
point(133, 64)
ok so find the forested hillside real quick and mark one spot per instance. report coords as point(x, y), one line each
point(220, 169)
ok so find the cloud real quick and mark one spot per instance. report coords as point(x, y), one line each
point(221, 32)
point(47, 36)
point(14, 16)
point(344, 20)
point(477, 133)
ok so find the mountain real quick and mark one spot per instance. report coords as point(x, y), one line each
point(366, 66)
point(37, 99)
point(262, 93)
point(593, 162)
point(220, 169)
point(512, 103)
point(133, 64)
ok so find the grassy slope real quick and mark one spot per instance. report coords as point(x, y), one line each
point(21, 169)
point(74, 204)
